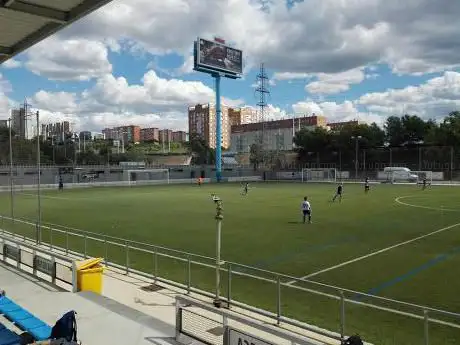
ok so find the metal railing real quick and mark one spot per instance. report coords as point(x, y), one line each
point(38, 261)
point(278, 297)
point(195, 319)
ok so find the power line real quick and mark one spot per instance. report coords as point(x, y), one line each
point(263, 93)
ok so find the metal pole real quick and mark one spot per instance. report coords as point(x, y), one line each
point(364, 162)
point(127, 258)
point(342, 316)
point(229, 287)
point(219, 217)
point(11, 170)
point(218, 130)
point(278, 300)
point(426, 324)
point(218, 247)
point(189, 274)
point(419, 158)
point(39, 199)
point(451, 163)
point(356, 159)
point(340, 164)
point(391, 157)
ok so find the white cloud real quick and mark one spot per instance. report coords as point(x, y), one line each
point(290, 76)
point(163, 103)
point(187, 66)
point(5, 88)
point(335, 83)
point(11, 64)
point(113, 101)
point(315, 36)
point(336, 112)
point(433, 99)
point(73, 59)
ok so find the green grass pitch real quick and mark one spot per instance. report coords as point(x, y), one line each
point(264, 229)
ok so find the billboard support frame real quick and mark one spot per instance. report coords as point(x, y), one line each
point(217, 74)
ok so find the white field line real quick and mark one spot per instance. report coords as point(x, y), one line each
point(398, 201)
point(46, 196)
point(375, 253)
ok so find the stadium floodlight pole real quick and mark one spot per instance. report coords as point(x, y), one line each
point(10, 120)
point(356, 138)
point(218, 129)
point(39, 220)
point(219, 217)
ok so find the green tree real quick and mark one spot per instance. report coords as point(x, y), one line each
point(202, 153)
point(256, 155)
point(394, 131)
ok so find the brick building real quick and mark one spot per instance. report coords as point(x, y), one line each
point(129, 134)
point(150, 134)
point(277, 135)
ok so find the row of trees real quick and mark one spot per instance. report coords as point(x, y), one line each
point(408, 130)
point(401, 134)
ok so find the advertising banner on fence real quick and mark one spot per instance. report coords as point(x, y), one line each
point(219, 57)
point(240, 338)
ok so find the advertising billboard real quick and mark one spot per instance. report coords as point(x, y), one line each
point(218, 57)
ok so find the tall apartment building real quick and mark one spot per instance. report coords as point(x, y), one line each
point(241, 116)
point(165, 135)
point(129, 134)
point(86, 136)
point(179, 136)
point(57, 131)
point(19, 123)
point(150, 134)
point(202, 122)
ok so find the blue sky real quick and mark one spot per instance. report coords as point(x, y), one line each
point(130, 62)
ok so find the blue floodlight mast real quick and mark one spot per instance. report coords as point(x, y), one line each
point(218, 129)
point(217, 74)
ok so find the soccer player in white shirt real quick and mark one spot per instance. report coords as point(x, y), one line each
point(306, 210)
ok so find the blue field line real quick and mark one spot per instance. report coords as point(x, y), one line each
point(286, 256)
point(412, 272)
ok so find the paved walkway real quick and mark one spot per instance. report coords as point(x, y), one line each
point(101, 320)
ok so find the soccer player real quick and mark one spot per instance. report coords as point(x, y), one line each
point(61, 184)
point(424, 183)
point(245, 189)
point(339, 192)
point(200, 181)
point(306, 210)
point(366, 185)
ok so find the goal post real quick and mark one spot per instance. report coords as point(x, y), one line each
point(319, 175)
point(147, 176)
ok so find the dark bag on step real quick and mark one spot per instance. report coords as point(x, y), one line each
point(66, 327)
point(354, 340)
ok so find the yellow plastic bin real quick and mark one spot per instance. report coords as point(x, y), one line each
point(89, 275)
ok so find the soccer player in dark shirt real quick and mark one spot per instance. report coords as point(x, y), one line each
point(339, 193)
point(367, 186)
point(61, 184)
point(245, 189)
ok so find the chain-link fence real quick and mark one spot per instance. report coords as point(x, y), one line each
point(368, 162)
